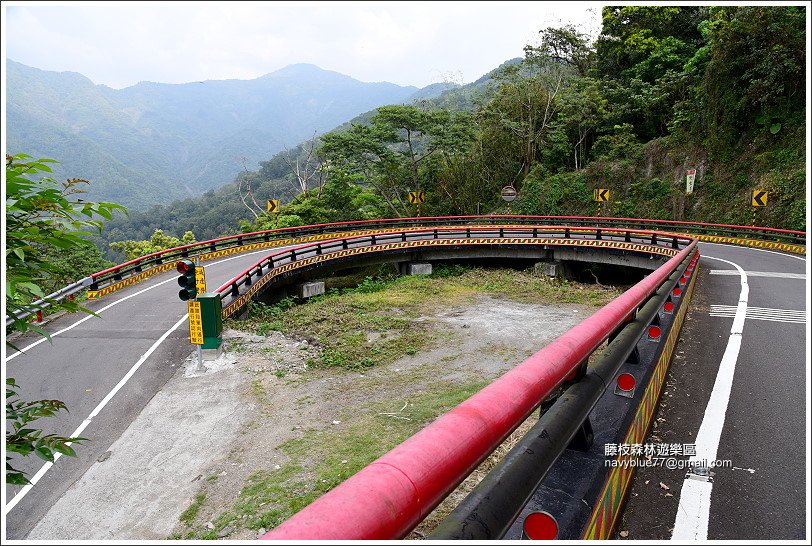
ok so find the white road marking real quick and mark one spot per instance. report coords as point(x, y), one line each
point(78, 322)
point(792, 316)
point(106, 307)
point(777, 275)
point(47, 466)
point(693, 513)
point(802, 258)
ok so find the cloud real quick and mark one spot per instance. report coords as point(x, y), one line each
point(409, 43)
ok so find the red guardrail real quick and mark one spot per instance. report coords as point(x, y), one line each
point(390, 496)
point(364, 223)
point(302, 246)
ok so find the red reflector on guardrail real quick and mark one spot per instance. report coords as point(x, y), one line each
point(625, 385)
point(668, 307)
point(654, 332)
point(540, 526)
point(677, 292)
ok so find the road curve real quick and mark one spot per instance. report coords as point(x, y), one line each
point(754, 408)
point(91, 356)
point(86, 360)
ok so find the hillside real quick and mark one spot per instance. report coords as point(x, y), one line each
point(219, 211)
point(152, 143)
point(663, 90)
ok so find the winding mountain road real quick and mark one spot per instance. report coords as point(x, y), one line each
point(106, 368)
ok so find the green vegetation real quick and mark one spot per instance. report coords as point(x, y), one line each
point(375, 318)
point(158, 241)
point(45, 225)
point(374, 323)
point(321, 459)
point(662, 90)
point(188, 516)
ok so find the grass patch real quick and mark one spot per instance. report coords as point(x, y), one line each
point(188, 516)
point(369, 324)
point(322, 459)
point(373, 322)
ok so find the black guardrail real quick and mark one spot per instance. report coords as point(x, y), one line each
point(146, 263)
point(246, 281)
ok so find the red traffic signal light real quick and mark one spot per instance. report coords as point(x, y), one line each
point(187, 281)
point(184, 266)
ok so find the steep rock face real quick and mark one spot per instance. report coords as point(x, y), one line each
point(151, 143)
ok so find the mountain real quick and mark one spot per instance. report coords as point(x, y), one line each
point(151, 143)
point(218, 212)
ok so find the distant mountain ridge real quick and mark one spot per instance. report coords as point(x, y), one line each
point(151, 143)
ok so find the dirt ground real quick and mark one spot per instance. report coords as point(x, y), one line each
point(228, 423)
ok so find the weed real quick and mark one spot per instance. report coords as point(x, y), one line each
point(258, 390)
point(342, 319)
point(442, 271)
point(188, 516)
point(271, 326)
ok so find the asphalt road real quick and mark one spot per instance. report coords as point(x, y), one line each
point(83, 365)
point(764, 429)
point(762, 495)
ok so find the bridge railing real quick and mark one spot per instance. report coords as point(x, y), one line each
point(234, 290)
point(152, 262)
point(142, 263)
point(390, 496)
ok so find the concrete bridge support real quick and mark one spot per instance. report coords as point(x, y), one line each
point(414, 268)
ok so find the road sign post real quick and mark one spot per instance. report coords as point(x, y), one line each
point(200, 279)
point(600, 196)
point(758, 199)
point(196, 331)
point(689, 181)
point(508, 194)
point(415, 198)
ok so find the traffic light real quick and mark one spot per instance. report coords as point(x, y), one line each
point(187, 281)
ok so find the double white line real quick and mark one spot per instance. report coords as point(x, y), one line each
point(791, 316)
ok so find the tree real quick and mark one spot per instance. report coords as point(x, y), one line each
point(306, 169)
point(158, 241)
point(42, 217)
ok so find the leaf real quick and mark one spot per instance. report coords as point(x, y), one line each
point(16, 478)
point(45, 454)
point(775, 127)
point(65, 450)
point(761, 119)
point(663, 486)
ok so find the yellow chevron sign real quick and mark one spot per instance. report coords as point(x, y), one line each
point(416, 197)
point(273, 205)
point(600, 194)
point(759, 198)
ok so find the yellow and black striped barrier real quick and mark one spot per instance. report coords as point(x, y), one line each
point(602, 521)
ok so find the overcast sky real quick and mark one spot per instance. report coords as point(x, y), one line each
point(408, 43)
